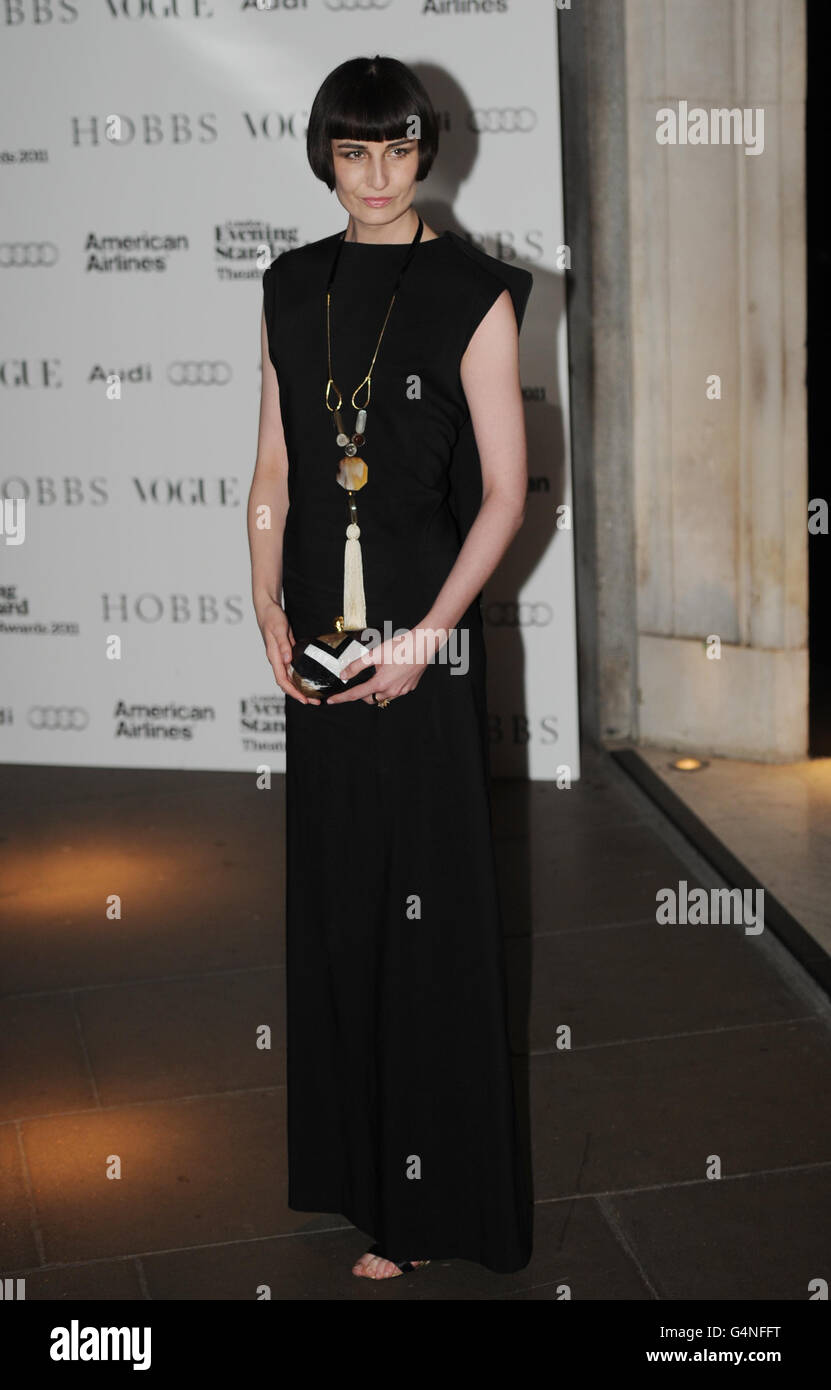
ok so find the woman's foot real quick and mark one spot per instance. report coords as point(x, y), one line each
point(371, 1266)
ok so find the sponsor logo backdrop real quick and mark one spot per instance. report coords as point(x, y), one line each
point(151, 150)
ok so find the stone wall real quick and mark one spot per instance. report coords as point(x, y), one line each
point(688, 370)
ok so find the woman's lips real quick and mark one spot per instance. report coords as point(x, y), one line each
point(377, 202)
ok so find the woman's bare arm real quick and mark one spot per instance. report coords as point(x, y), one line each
point(268, 504)
point(491, 382)
point(268, 500)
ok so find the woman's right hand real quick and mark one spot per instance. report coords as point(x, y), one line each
point(279, 640)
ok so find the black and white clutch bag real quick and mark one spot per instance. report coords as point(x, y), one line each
point(316, 664)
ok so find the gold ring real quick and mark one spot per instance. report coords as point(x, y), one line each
point(382, 704)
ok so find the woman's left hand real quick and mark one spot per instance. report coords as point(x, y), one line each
point(399, 665)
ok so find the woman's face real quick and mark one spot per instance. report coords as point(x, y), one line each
point(375, 179)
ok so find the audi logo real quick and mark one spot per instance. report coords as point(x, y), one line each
point(518, 614)
point(493, 119)
point(356, 4)
point(199, 373)
point(27, 253)
point(63, 717)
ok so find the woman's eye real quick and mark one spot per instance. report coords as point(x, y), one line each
point(359, 154)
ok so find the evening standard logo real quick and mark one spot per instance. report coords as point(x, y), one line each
point(12, 602)
point(243, 250)
point(142, 253)
point(77, 1343)
point(161, 723)
point(263, 722)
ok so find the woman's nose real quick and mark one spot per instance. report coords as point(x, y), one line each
point(377, 175)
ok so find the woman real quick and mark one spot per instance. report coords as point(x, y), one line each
point(400, 1098)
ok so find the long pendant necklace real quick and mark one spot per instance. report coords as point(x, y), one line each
point(352, 471)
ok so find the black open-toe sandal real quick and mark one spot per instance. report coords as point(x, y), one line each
point(406, 1266)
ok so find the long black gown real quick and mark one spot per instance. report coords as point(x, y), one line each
point(401, 1111)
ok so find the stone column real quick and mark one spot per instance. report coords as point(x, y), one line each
point(591, 36)
point(717, 264)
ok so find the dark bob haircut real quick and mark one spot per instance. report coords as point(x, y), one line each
point(369, 99)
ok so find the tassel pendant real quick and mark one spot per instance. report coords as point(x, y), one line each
point(352, 475)
point(354, 602)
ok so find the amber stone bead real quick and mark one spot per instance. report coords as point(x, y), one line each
point(352, 473)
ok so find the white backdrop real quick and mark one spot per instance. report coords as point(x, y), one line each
point(135, 256)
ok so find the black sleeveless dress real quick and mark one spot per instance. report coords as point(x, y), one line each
point(401, 1112)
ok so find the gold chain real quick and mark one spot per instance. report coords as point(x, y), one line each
point(367, 381)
